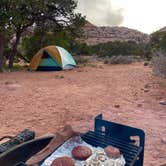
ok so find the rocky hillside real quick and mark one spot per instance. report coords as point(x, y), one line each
point(94, 34)
point(162, 30)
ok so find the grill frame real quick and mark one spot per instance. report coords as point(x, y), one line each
point(119, 136)
point(115, 134)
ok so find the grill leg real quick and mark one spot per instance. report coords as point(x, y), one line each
point(140, 161)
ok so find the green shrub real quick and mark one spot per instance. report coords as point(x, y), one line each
point(16, 67)
point(159, 64)
point(81, 49)
point(118, 48)
point(31, 44)
point(158, 40)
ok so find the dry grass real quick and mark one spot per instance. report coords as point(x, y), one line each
point(119, 60)
point(159, 64)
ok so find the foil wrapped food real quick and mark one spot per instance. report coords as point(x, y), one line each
point(98, 157)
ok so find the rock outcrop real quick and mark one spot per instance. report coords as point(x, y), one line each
point(94, 34)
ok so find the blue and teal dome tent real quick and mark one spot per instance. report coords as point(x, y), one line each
point(52, 58)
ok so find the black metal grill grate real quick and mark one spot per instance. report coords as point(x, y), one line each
point(130, 152)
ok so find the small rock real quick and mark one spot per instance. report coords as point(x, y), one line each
point(146, 63)
point(146, 90)
point(139, 105)
point(59, 76)
point(147, 86)
point(159, 97)
point(79, 70)
point(101, 67)
point(116, 105)
point(163, 140)
point(152, 164)
point(162, 102)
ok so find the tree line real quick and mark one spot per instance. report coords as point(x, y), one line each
point(17, 17)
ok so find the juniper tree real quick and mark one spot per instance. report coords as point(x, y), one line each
point(21, 14)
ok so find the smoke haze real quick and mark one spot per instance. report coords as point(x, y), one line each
point(100, 12)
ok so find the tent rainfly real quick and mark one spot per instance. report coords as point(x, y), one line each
point(52, 58)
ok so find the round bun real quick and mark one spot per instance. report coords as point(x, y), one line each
point(112, 152)
point(63, 161)
point(81, 152)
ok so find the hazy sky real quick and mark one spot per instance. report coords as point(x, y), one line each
point(144, 15)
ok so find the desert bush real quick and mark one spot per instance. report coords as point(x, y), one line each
point(159, 63)
point(118, 48)
point(81, 48)
point(119, 60)
point(81, 59)
point(16, 67)
point(158, 40)
point(31, 44)
point(146, 63)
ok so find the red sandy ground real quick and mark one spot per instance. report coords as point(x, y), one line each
point(46, 101)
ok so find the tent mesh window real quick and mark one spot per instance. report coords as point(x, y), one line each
point(45, 55)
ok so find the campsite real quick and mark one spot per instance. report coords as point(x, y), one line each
point(54, 58)
point(82, 83)
point(44, 102)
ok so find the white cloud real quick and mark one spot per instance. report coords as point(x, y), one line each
point(100, 12)
point(144, 15)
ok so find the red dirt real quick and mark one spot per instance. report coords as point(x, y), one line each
point(46, 101)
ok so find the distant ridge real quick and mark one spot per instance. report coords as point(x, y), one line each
point(162, 30)
point(88, 24)
point(95, 34)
